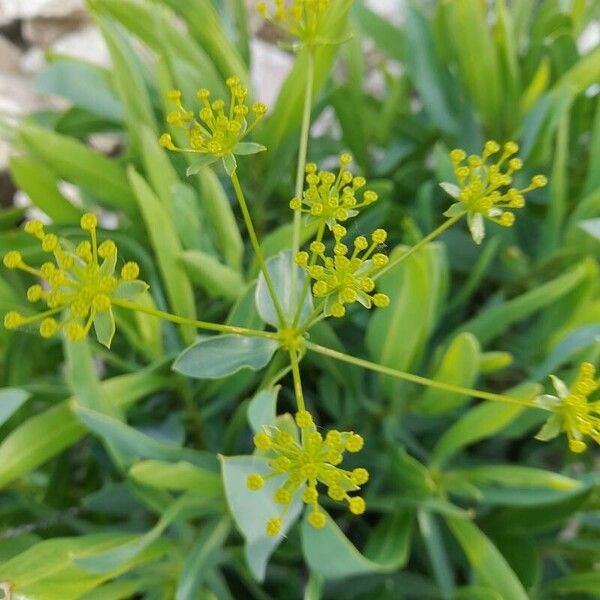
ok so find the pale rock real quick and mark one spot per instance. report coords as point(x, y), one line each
point(43, 32)
point(10, 56)
point(10, 10)
point(270, 67)
point(16, 96)
point(86, 44)
point(4, 154)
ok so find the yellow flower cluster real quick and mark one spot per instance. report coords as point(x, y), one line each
point(76, 284)
point(301, 19)
point(484, 187)
point(305, 464)
point(572, 410)
point(220, 128)
point(344, 279)
point(330, 198)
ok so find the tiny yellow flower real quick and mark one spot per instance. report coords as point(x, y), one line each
point(572, 411)
point(346, 278)
point(79, 283)
point(218, 129)
point(331, 198)
point(300, 19)
point(484, 187)
point(303, 465)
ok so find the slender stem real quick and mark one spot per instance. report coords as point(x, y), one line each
point(445, 225)
point(199, 324)
point(306, 286)
point(297, 380)
point(316, 316)
point(302, 152)
point(312, 322)
point(447, 387)
point(256, 247)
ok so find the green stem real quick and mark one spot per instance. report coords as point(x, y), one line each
point(316, 316)
point(199, 324)
point(297, 380)
point(256, 247)
point(302, 152)
point(445, 225)
point(447, 387)
point(305, 287)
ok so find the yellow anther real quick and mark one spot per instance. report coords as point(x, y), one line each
point(34, 293)
point(317, 519)
point(273, 526)
point(130, 271)
point(49, 242)
point(48, 328)
point(255, 481)
point(13, 319)
point(13, 259)
point(262, 441)
point(88, 222)
point(304, 419)
point(357, 505)
point(107, 249)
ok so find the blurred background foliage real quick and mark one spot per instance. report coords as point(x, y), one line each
point(463, 503)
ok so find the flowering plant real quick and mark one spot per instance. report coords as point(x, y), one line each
point(336, 394)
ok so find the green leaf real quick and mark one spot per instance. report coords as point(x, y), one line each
point(135, 444)
point(582, 74)
point(156, 28)
point(73, 161)
point(83, 379)
point(247, 148)
point(179, 476)
point(230, 164)
point(429, 528)
point(396, 336)
point(162, 176)
point(427, 71)
point(329, 553)
point(102, 563)
point(40, 184)
point(476, 57)
point(104, 325)
point(486, 561)
point(168, 250)
point(200, 162)
point(217, 279)
point(128, 290)
point(48, 570)
point(84, 84)
point(251, 510)
point(45, 435)
point(386, 36)
point(480, 422)
point(216, 204)
point(209, 30)
point(128, 80)
point(459, 366)
point(11, 399)
point(262, 409)
point(223, 355)
point(574, 584)
point(281, 268)
point(205, 553)
point(517, 475)
point(492, 322)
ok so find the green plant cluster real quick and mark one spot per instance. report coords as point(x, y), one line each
point(276, 377)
